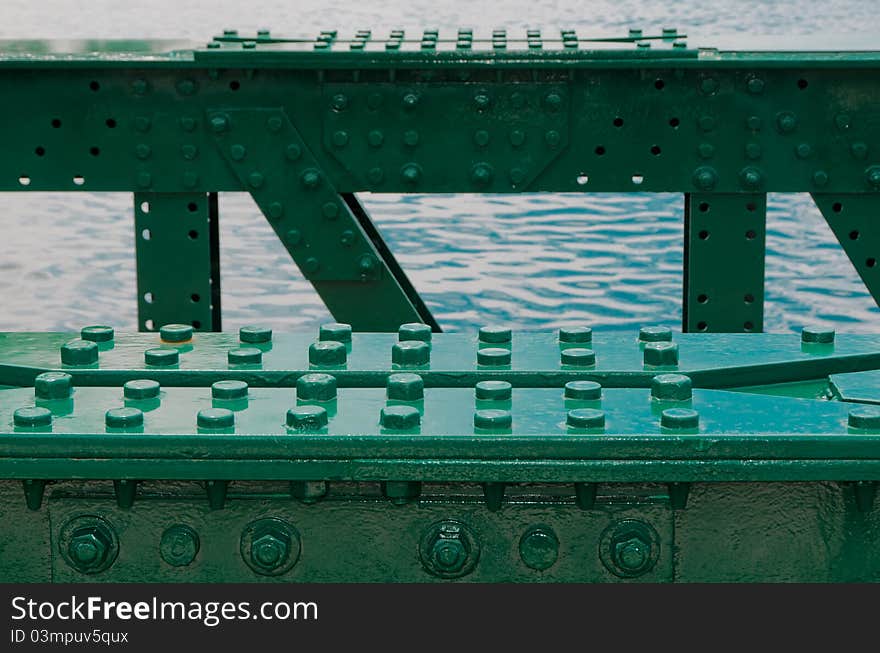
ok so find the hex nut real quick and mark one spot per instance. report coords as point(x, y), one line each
point(629, 548)
point(270, 546)
point(449, 549)
point(88, 544)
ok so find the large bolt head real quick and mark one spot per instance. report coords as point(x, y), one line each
point(633, 554)
point(87, 550)
point(449, 549)
point(629, 548)
point(449, 555)
point(269, 551)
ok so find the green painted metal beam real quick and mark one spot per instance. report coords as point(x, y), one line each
point(534, 359)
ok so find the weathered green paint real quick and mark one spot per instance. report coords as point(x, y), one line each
point(466, 111)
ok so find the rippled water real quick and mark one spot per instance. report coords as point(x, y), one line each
point(531, 261)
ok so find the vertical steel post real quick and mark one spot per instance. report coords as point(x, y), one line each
point(724, 238)
point(178, 260)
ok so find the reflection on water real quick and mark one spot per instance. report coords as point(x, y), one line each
point(531, 261)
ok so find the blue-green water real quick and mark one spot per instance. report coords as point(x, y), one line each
point(531, 261)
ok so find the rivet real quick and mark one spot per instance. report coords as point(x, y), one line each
point(517, 137)
point(753, 123)
point(706, 123)
point(316, 387)
point(585, 418)
point(481, 138)
point(786, 121)
point(79, 352)
point(705, 178)
point(375, 138)
point(186, 87)
point(337, 331)
point(276, 210)
point(583, 390)
point(820, 178)
point(493, 391)
point(655, 334)
point(552, 138)
point(680, 419)
point(311, 265)
point(255, 180)
point(176, 332)
point(859, 150)
point(330, 210)
point(215, 418)
point(405, 387)
point(139, 389)
point(53, 385)
point(400, 417)
point(98, 333)
point(123, 418)
point(310, 178)
point(274, 124)
point(190, 179)
point(307, 418)
point(375, 175)
point(189, 152)
point(864, 417)
point(495, 334)
point(219, 124)
point(517, 175)
point(671, 387)
point(249, 45)
point(142, 124)
point(32, 416)
point(293, 152)
point(553, 101)
point(237, 152)
point(162, 356)
point(374, 100)
point(410, 352)
point(347, 238)
point(811, 335)
point(753, 151)
point(539, 548)
point(493, 356)
point(872, 176)
point(414, 331)
point(705, 150)
point(411, 137)
point(187, 124)
point(751, 177)
point(493, 419)
point(327, 352)
point(340, 138)
point(482, 101)
point(481, 174)
point(708, 85)
point(755, 85)
point(803, 150)
point(179, 545)
point(244, 356)
point(410, 173)
point(293, 237)
point(410, 101)
point(142, 151)
point(229, 390)
point(660, 354)
point(339, 102)
point(254, 334)
point(578, 356)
